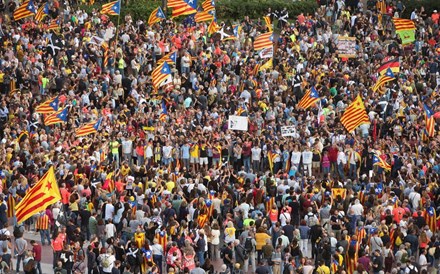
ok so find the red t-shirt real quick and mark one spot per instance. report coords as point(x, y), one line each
point(37, 252)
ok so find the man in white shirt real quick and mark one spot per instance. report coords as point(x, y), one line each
point(127, 148)
point(256, 158)
point(167, 153)
point(357, 210)
point(295, 159)
point(342, 161)
point(307, 156)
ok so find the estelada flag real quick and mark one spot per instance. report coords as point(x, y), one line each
point(48, 106)
point(263, 41)
point(309, 99)
point(42, 195)
point(339, 192)
point(392, 64)
point(355, 115)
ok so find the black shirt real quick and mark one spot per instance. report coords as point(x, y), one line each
point(227, 254)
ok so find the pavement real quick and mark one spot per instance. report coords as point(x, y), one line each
point(46, 256)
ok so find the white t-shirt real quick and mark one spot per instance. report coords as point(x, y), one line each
point(109, 211)
point(307, 157)
point(111, 259)
point(256, 154)
point(110, 230)
point(296, 157)
point(285, 218)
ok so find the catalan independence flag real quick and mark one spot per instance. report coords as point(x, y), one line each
point(112, 8)
point(339, 192)
point(54, 25)
point(270, 201)
point(355, 115)
point(383, 79)
point(42, 195)
point(88, 128)
point(213, 27)
point(48, 107)
point(268, 23)
point(271, 156)
point(42, 12)
point(156, 16)
point(392, 64)
point(203, 16)
point(429, 120)
point(170, 58)
point(208, 5)
point(431, 218)
point(57, 117)
point(378, 161)
point(164, 114)
point(160, 74)
point(25, 10)
point(182, 7)
point(309, 99)
point(162, 239)
point(263, 41)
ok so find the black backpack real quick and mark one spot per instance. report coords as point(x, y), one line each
point(287, 268)
point(18, 231)
point(248, 246)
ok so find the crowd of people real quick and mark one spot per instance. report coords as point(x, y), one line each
point(164, 186)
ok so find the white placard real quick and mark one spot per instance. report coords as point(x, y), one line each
point(288, 131)
point(266, 53)
point(238, 123)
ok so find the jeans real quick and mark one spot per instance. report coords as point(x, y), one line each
point(201, 257)
point(20, 258)
point(256, 165)
point(116, 159)
point(157, 259)
point(341, 171)
point(44, 233)
point(352, 171)
point(304, 246)
point(140, 160)
point(39, 267)
point(247, 163)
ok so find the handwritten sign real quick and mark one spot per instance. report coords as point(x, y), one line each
point(347, 47)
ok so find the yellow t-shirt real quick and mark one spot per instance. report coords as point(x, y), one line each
point(115, 147)
point(195, 151)
point(2, 75)
point(125, 170)
point(170, 185)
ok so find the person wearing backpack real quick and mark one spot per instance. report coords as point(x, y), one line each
point(106, 261)
point(249, 245)
point(288, 266)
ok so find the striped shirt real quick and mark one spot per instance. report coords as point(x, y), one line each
point(42, 222)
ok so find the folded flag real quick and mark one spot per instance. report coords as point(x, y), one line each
point(429, 120)
point(309, 99)
point(355, 115)
point(42, 12)
point(88, 128)
point(268, 23)
point(48, 106)
point(213, 27)
point(57, 117)
point(156, 16)
point(112, 8)
point(170, 58)
point(25, 10)
point(383, 79)
point(378, 161)
point(263, 41)
point(392, 64)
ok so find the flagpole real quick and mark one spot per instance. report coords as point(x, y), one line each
point(117, 32)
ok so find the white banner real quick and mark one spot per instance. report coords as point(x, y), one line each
point(266, 53)
point(288, 131)
point(238, 123)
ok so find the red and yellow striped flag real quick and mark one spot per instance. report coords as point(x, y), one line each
point(42, 195)
point(403, 24)
point(355, 115)
point(263, 41)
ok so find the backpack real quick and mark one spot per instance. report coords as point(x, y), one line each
point(351, 251)
point(287, 267)
point(413, 269)
point(222, 253)
point(248, 245)
point(105, 262)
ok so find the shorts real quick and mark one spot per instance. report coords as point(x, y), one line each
point(316, 164)
point(194, 160)
point(204, 160)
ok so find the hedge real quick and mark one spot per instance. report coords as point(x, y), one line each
point(226, 9)
point(429, 5)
